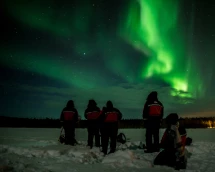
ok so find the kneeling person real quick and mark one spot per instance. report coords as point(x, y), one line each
point(173, 143)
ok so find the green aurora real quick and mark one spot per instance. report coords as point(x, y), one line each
point(151, 27)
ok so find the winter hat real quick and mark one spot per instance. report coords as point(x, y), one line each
point(92, 103)
point(152, 96)
point(70, 104)
point(172, 119)
point(109, 104)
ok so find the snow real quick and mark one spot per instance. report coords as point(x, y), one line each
point(30, 149)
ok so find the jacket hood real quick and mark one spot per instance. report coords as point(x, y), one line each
point(172, 119)
point(92, 103)
point(70, 104)
point(152, 96)
point(109, 104)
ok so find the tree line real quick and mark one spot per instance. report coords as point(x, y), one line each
point(203, 122)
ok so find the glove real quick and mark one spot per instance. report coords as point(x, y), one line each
point(174, 127)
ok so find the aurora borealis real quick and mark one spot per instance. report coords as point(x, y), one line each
point(53, 51)
point(152, 29)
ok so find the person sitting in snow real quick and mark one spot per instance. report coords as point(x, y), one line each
point(69, 117)
point(110, 117)
point(152, 116)
point(92, 114)
point(173, 144)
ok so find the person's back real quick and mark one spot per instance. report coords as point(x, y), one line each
point(110, 117)
point(153, 109)
point(152, 116)
point(92, 114)
point(69, 117)
point(69, 113)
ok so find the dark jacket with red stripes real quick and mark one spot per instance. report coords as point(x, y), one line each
point(92, 115)
point(110, 116)
point(153, 112)
point(69, 116)
point(167, 141)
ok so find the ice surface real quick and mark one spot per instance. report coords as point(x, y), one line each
point(32, 150)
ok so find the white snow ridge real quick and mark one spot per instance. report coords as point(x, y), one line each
point(21, 150)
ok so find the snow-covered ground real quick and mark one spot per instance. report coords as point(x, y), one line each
point(30, 149)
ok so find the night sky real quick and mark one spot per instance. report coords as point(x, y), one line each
point(56, 50)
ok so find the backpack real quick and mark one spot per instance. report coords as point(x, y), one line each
point(189, 141)
point(62, 136)
point(121, 138)
point(62, 139)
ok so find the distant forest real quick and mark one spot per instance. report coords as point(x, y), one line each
point(125, 123)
